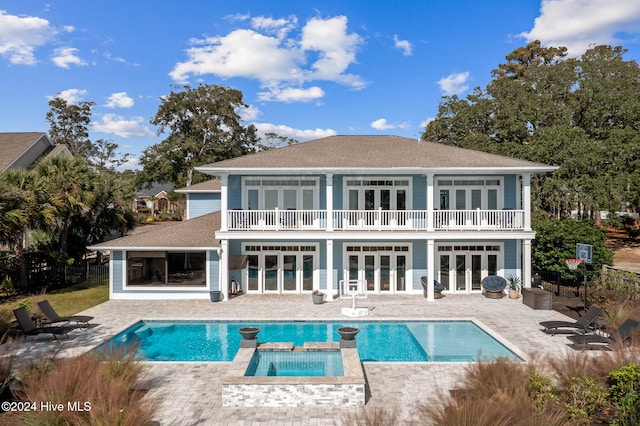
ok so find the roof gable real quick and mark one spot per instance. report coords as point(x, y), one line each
point(22, 149)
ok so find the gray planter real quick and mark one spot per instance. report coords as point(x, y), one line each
point(318, 299)
point(215, 296)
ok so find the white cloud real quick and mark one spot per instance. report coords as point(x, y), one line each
point(577, 24)
point(21, 35)
point(404, 45)
point(241, 53)
point(383, 124)
point(249, 113)
point(119, 100)
point(289, 132)
point(280, 27)
point(322, 50)
point(72, 96)
point(292, 94)
point(336, 49)
point(455, 83)
point(426, 122)
point(65, 56)
point(116, 125)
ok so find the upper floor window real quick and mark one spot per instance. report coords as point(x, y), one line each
point(383, 193)
point(469, 193)
point(285, 193)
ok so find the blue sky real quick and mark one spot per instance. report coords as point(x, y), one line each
point(306, 69)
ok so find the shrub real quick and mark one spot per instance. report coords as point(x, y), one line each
point(106, 386)
point(584, 398)
point(624, 385)
point(499, 393)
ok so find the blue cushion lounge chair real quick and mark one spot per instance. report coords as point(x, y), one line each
point(494, 286)
point(437, 288)
point(594, 341)
point(582, 325)
point(30, 329)
point(53, 316)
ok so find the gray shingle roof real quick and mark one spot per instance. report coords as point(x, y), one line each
point(367, 152)
point(193, 233)
point(210, 185)
point(13, 145)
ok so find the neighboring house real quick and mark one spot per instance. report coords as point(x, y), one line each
point(155, 199)
point(376, 212)
point(21, 150)
point(202, 198)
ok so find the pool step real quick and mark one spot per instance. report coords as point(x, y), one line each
point(320, 346)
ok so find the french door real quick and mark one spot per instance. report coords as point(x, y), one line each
point(462, 271)
point(384, 271)
point(280, 272)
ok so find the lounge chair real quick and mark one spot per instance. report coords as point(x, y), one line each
point(29, 328)
point(493, 286)
point(582, 325)
point(437, 288)
point(594, 341)
point(53, 316)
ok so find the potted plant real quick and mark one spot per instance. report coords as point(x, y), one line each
point(513, 284)
point(317, 296)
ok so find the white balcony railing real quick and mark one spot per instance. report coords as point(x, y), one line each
point(375, 220)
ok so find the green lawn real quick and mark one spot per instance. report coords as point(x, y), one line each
point(68, 301)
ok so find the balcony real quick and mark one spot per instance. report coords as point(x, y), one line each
point(375, 220)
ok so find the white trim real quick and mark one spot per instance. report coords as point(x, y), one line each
point(392, 267)
point(280, 188)
point(269, 171)
point(392, 196)
point(452, 265)
point(279, 253)
point(126, 288)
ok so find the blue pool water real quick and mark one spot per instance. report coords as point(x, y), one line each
point(408, 341)
point(307, 363)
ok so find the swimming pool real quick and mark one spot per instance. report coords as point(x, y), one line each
point(296, 363)
point(406, 341)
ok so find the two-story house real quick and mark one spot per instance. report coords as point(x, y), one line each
point(377, 212)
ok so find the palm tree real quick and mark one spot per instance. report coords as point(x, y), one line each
point(71, 186)
point(23, 206)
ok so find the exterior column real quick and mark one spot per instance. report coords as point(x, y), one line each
point(430, 202)
point(526, 201)
point(329, 194)
point(526, 263)
point(330, 288)
point(224, 269)
point(431, 272)
point(223, 203)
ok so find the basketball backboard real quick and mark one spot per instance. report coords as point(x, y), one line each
point(584, 252)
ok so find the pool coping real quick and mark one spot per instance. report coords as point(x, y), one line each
point(239, 390)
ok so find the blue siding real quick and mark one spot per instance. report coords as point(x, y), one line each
point(419, 192)
point(419, 263)
point(117, 261)
point(203, 203)
point(510, 192)
point(511, 261)
point(234, 192)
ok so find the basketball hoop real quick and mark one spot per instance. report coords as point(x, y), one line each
point(573, 263)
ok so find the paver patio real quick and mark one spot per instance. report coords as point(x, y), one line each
point(190, 393)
